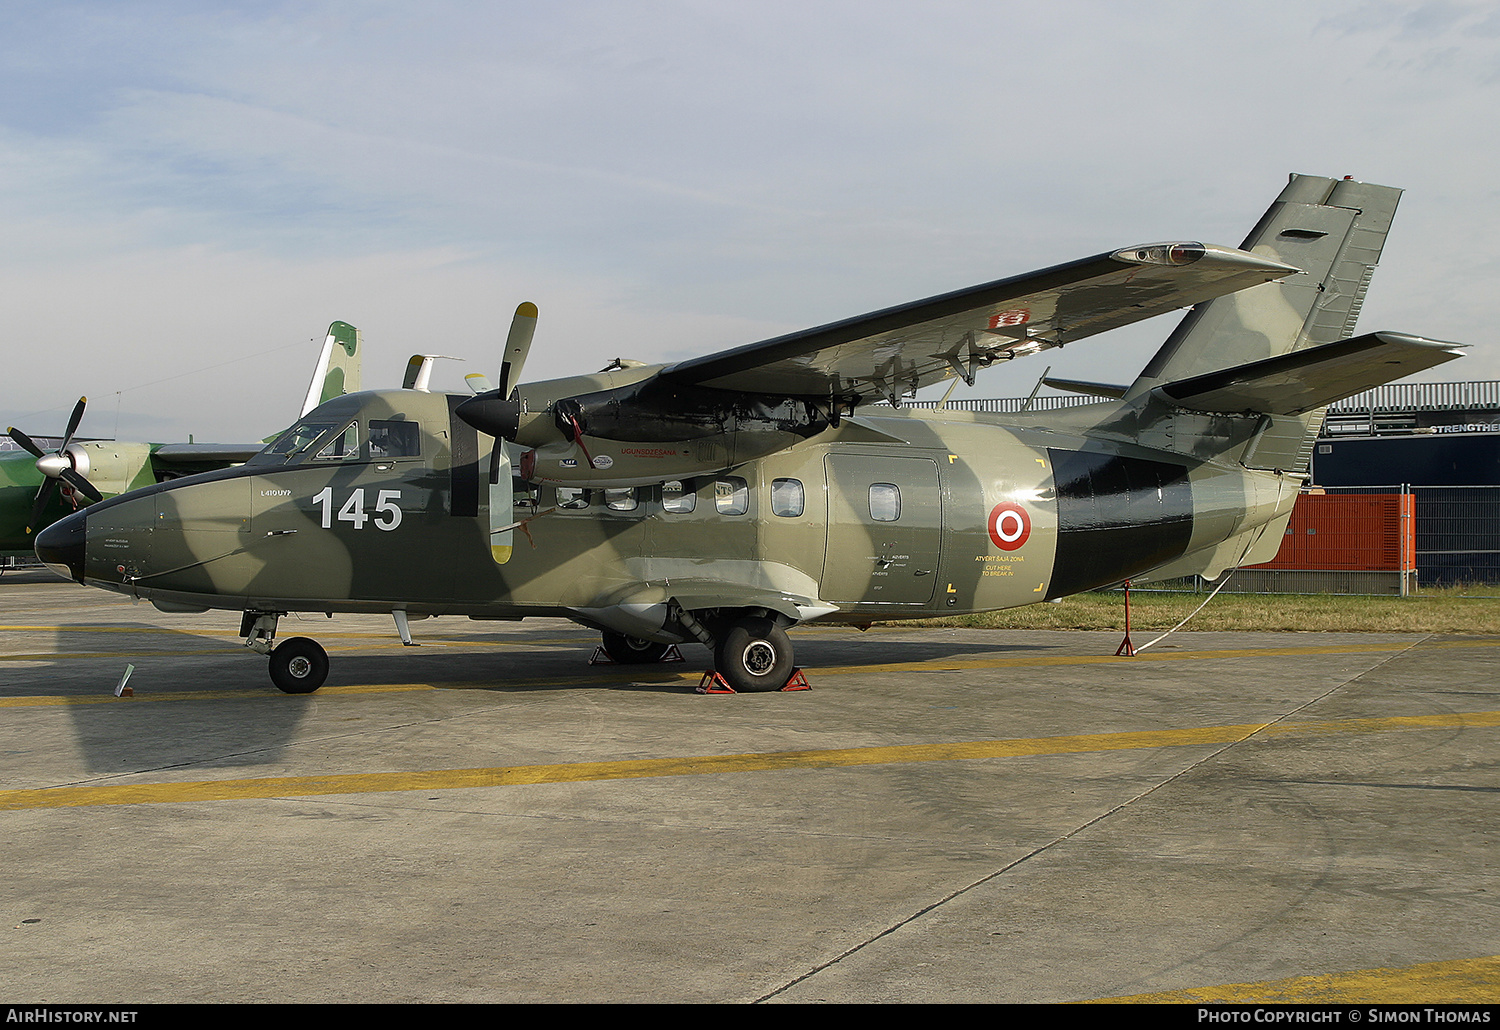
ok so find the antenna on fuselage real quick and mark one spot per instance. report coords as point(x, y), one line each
point(1035, 389)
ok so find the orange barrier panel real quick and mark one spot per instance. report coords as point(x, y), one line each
point(1359, 532)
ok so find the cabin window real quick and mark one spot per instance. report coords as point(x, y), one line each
point(731, 496)
point(342, 447)
point(678, 496)
point(621, 499)
point(572, 498)
point(885, 502)
point(788, 499)
point(395, 439)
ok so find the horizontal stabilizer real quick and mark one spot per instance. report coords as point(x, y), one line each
point(1109, 390)
point(1303, 380)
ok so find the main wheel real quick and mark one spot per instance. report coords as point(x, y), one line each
point(633, 650)
point(299, 665)
point(754, 655)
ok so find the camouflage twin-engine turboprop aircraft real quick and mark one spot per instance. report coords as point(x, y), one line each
point(38, 486)
point(727, 498)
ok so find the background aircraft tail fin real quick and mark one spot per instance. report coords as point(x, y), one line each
point(338, 368)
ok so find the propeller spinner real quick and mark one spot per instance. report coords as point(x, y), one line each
point(62, 465)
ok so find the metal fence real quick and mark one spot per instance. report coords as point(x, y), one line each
point(1457, 546)
point(1458, 536)
point(1457, 533)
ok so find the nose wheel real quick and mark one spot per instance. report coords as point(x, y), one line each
point(299, 665)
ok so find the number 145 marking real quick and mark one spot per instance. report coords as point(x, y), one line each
point(387, 514)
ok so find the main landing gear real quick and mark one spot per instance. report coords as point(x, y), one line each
point(299, 665)
point(752, 653)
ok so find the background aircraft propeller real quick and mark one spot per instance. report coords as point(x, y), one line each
point(62, 465)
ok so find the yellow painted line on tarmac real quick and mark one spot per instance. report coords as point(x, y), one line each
point(1474, 981)
point(650, 768)
point(658, 674)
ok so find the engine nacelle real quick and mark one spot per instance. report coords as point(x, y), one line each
point(113, 467)
point(644, 432)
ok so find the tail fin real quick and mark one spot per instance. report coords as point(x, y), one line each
point(338, 368)
point(1332, 229)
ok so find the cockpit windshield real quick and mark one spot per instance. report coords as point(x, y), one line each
point(292, 445)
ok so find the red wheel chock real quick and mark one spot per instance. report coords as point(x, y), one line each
point(713, 683)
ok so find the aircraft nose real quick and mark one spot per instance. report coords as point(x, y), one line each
point(60, 546)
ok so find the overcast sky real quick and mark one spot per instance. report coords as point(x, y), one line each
point(192, 191)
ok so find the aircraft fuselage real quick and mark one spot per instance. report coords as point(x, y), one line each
point(898, 515)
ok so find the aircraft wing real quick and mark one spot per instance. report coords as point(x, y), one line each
point(168, 461)
point(893, 352)
point(206, 453)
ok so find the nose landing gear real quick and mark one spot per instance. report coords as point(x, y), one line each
point(299, 665)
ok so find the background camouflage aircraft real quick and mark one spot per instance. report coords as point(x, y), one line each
point(48, 478)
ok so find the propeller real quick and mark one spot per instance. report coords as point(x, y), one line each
point(62, 465)
point(502, 494)
point(494, 411)
point(517, 346)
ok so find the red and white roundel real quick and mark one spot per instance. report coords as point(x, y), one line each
point(1009, 526)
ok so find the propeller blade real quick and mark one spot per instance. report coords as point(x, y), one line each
point(478, 383)
point(43, 496)
point(73, 421)
point(26, 442)
point(82, 485)
point(517, 346)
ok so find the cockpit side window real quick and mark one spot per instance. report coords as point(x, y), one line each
point(343, 447)
point(393, 438)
